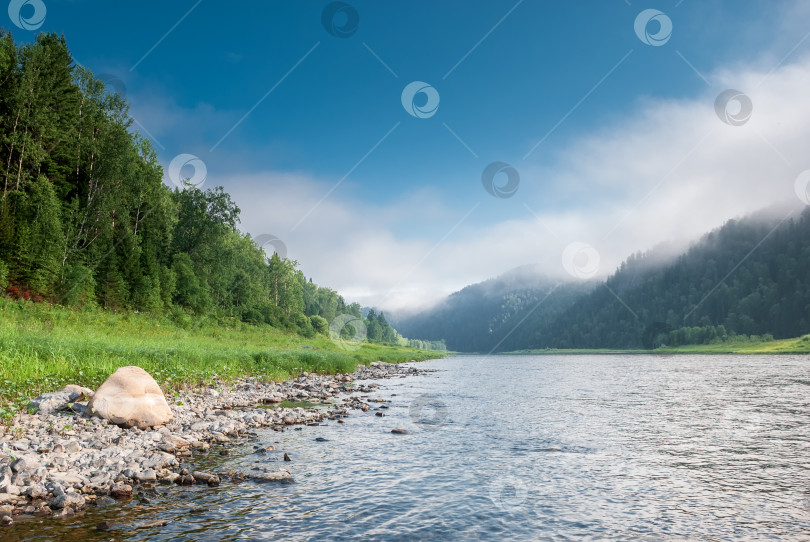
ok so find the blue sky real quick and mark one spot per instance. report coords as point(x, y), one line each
point(412, 219)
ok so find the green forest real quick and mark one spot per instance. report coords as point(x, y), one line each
point(85, 219)
point(744, 281)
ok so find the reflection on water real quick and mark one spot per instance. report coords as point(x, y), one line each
point(519, 447)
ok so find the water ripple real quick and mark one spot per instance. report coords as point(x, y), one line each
point(549, 448)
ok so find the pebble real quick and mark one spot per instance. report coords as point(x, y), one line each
point(120, 491)
point(73, 500)
point(206, 478)
point(147, 475)
point(59, 459)
point(185, 480)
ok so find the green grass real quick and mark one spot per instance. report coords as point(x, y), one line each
point(798, 345)
point(44, 347)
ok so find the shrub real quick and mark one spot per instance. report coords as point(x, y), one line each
point(319, 324)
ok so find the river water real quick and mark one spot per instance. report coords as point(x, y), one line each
point(518, 448)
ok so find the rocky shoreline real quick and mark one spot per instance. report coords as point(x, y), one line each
point(61, 459)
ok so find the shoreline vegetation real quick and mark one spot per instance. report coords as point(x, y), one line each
point(797, 345)
point(158, 276)
point(45, 347)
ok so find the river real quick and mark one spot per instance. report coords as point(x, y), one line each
point(550, 447)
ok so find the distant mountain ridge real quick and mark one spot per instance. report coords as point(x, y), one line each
point(481, 316)
point(748, 277)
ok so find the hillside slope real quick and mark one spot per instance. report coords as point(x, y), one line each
point(749, 277)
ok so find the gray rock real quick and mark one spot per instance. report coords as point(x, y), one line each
point(71, 479)
point(170, 478)
point(159, 460)
point(25, 463)
point(48, 403)
point(7, 486)
point(73, 447)
point(35, 491)
point(206, 478)
point(99, 481)
point(80, 391)
point(147, 475)
point(6, 498)
point(72, 500)
point(280, 476)
point(120, 491)
point(39, 474)
point(185, 480)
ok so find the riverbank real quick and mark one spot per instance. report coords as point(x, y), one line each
point(59, 462)
point(45, 347)
point(798, 345)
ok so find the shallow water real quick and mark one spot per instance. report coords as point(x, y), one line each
point(518, 447)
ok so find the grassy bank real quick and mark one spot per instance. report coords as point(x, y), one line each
point(45, 347)
point(798, 345)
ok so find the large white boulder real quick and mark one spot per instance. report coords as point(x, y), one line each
point(131, 397)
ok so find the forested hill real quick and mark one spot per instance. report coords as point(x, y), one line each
point(749, 277)
point(483, 316)
point(85, 217)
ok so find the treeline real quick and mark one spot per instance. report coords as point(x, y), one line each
point(747, 278)
point(745, 281)
point(706, 335)
point(427, 345)
point(85, 218)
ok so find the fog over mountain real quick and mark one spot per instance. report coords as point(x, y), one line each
point(670, 171)
point(744, 278)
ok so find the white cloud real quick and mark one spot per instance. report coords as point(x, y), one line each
point(670, 171)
